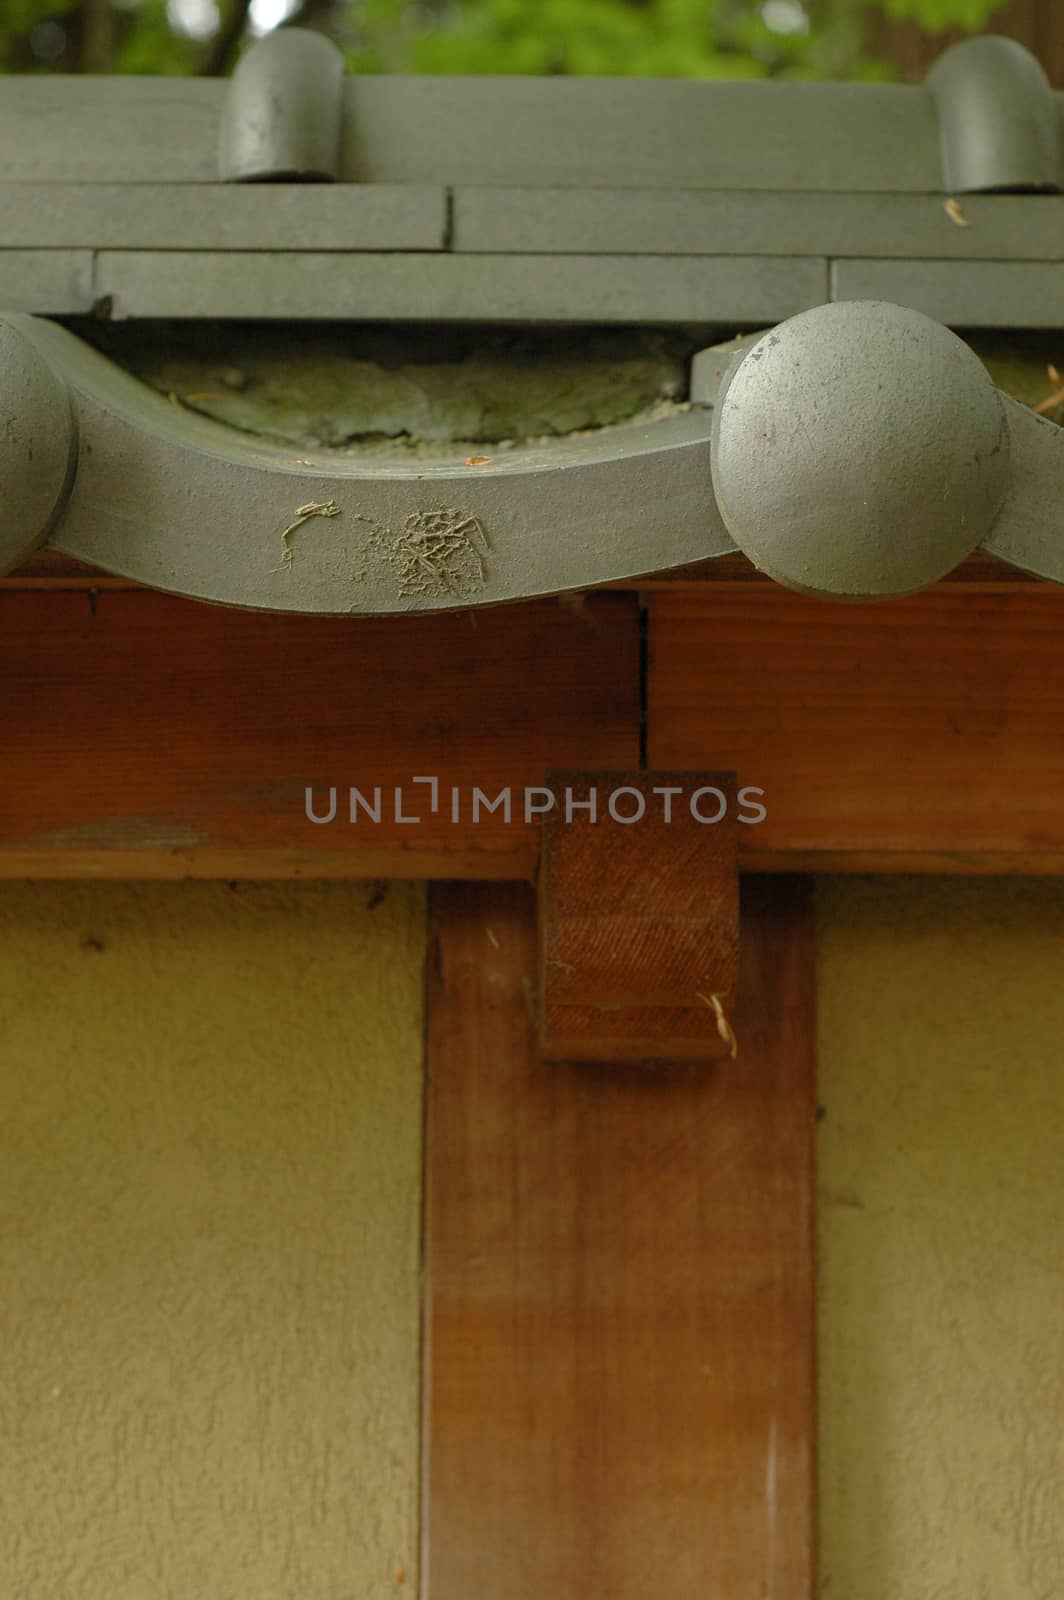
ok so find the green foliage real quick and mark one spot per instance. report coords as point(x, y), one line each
point(658, 38)
point(935, 15)
point(19, 16)
point(150, 46)
point(46, 35)
point(655, 38)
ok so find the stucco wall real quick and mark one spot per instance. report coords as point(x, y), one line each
point(210, 1115)
point(210, 1132)
point(942, 1240)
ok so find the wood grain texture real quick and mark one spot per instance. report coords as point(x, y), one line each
point(55, 567)
point(151, 736)
point(926, 734)
point(735, 571)
point(638, 918)
point(620, 1283)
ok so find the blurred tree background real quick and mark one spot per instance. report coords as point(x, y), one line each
point(671, 38)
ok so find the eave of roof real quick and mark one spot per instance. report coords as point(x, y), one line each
point(533, 200)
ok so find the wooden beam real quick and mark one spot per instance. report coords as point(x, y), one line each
point(48, 568)
point(735, 572)
point(924, 734)
point(620, 1283)
point(145, 735)
point(151, 736)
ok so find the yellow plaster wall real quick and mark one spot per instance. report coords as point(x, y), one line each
point(210, 1145)
point(210, 1141)
point(941, 1150)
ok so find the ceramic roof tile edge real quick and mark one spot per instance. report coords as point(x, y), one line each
point(443, 287)
point(937, 463)
point(287, 110)
point(644, 501)
point(558, 200)
point(999, 121)
point(283, 110)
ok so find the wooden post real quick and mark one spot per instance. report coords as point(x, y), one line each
point(620, 1282)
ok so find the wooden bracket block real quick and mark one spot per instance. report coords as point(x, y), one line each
point(638, 916)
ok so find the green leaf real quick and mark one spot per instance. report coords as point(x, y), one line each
point(936, 15)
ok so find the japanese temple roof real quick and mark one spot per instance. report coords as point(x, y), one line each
point(616, 200)
point(855, 446)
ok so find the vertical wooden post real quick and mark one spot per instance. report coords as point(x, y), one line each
point(620, 1283)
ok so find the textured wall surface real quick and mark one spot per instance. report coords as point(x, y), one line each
point(210, 1123)
point(942, 1240)
point(210, 1142)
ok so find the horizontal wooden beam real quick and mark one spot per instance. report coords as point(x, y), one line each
point(735, 572)
point(147, 736)
point(151, 736)
point(52, 569)
point(924, 734)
